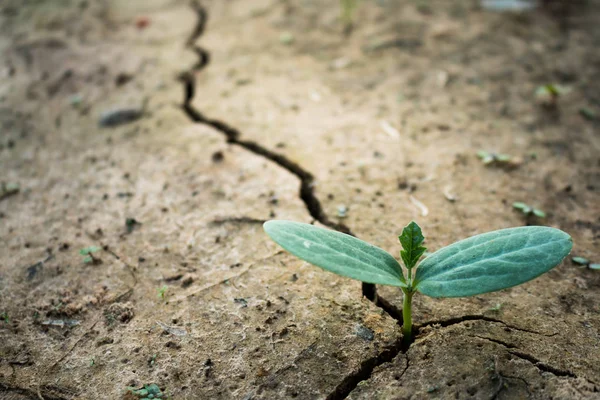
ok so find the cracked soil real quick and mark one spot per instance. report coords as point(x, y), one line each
point(230, 113)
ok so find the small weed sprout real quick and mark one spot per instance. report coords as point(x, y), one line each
point(528, 210)
point(151, 391)
point(584, 262)
point(162, 292)
point(480, 264)
point(489, 158)
point(580, 261)
point(499, 159)
point(89, 256)
point(4, 317)
point(547, 95)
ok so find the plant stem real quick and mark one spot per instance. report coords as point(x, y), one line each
point(407, 315)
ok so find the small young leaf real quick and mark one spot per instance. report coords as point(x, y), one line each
point(503, 157)
point(87, 250)
point(337, 252)
point(520, 205)
point(580, 260)
point(594, 266)
point(492, 261)
point(411, 240)
point(539, 213)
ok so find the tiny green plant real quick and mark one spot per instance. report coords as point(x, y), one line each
point(489, 158)
point(151, 391)
point(89, 257)
point(528, 210)
point(547, 95)
point(480, 264)
point(4, 317)
point(499, 159)
point(585, 263)
point(162, 292)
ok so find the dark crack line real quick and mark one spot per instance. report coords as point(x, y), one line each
point(306, 192)
point(233, 136)
point(458, 320)
point(315, 209)
point(542, 366)
point(529, 358)
point(391, 309)
point(497, 341)
point(364, 372)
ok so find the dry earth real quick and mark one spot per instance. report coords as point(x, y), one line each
point(234, 112)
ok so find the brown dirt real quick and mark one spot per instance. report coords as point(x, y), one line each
point(239, 126)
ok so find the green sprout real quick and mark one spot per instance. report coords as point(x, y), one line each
point(480, 264)
point(528, 210)
point(88, 253)
point(4, 317)
point(585, 263)
point(162, 292)
point(498, 159)
point(580, 261)
point(548, 94)
point(151, 391)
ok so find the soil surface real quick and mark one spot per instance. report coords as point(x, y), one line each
point(155, 137)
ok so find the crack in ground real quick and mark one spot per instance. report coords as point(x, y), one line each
point(364, 372)
point(542, 366)
point(232, 134)
point(531, 359)
point(458, 320)
point(315, 209)
point(306, 194)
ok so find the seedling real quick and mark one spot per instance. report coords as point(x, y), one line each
point(151, 391)
point(89, 256)
point(528, 210)
point(4, 317)
point(580, 261)
point(548, 95)
point(162, 292)
point(480, 264)
point(585, 263)
point(498, 159)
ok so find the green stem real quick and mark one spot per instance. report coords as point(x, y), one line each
point(407, 315)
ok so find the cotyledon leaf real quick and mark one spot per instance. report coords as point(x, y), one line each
point(492, 261)
point(337, 252)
